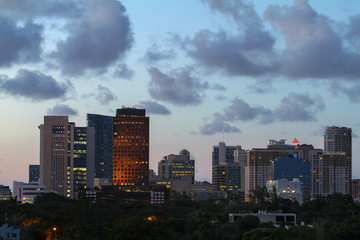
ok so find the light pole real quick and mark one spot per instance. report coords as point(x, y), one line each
point(54, 229)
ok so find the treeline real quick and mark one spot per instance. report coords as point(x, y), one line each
point(331, 217)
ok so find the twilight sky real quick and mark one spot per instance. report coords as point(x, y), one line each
point(256, 69)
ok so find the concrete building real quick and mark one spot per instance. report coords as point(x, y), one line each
point(27, 192)
point(175, 167)
point(277, 218)
point(336, 173)
point(228, 164)
point(287, 189)
point(356, 189)
point(131, 148)
point(339, 140)
point(66, 156)
point(10, 233)
point(34, 173)
point(5, 193)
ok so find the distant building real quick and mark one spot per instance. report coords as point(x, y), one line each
point(66, 156)
point(176, 167)
point(228, 163)
point(152, 175)
point(131, 149)
point(5, 193)
point(103, 159)
point(287, 189)
point(356, 189)
point(34, 173)
point(200, 191)
point(293, 167)
point(339, 140)
point(10, 233)
point(336, 173)
point(277, 218)
point(27, 192)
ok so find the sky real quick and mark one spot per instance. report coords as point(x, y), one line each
point(206, 71)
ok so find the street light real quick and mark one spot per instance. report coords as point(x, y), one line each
point(54, 229)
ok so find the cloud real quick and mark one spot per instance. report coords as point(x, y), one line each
point(104, 95)
point(218, 127)
point(19, 44)
point(261, 86)
point(123, 71)
point(352, 92)
point(154, 108)
point(313, 47)
point(62, 109)
point(246, 52)
point(308, 44)
point(299, 107)
point(178, 87)
point(25, 9)
point(294, 107)
point(98, 39)
point(354, 135)
point(155, 54)
point(240, 110)
point(33, 85)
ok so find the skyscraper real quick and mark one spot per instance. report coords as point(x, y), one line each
point(227, 167)
point(131, 148)
point(339, 140)
point(66, 156)
point(103, 161)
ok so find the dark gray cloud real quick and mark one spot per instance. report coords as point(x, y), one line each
point(310, 45)
point(123, 71)
point(19, 44)
point(62, 109)
point(154, 108)
point(104, 95)
point(247, 52)
point(313, 47)
point(98, 39)
point(299, 107)
point(28, 9)
point(240, 110)
point(218, 127)
point(352, 91)
point(294, 107)
point(33, 85)
point(178, 87)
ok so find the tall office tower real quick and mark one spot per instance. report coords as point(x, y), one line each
point(337, 140)
point(82, 164)
point(131, 148)
point(103, 126)
point(34, 173)
point(54, 149)
point(226, 167)
point(258, 166)
point(66, 156)
point(174, 167)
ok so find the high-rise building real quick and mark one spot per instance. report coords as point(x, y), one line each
point(339, 140)
point(227, 167)
point(5, 193)
point(336, 173)
point(286, 189)
point(293, 167)
point(66, 156)
point(34, 173)
point(103, 161)
point(176, 167)
point(131, 148)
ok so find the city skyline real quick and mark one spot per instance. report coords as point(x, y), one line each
point(197, 67)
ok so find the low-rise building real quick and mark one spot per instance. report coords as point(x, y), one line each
point(277, 218)
point(27, 192)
